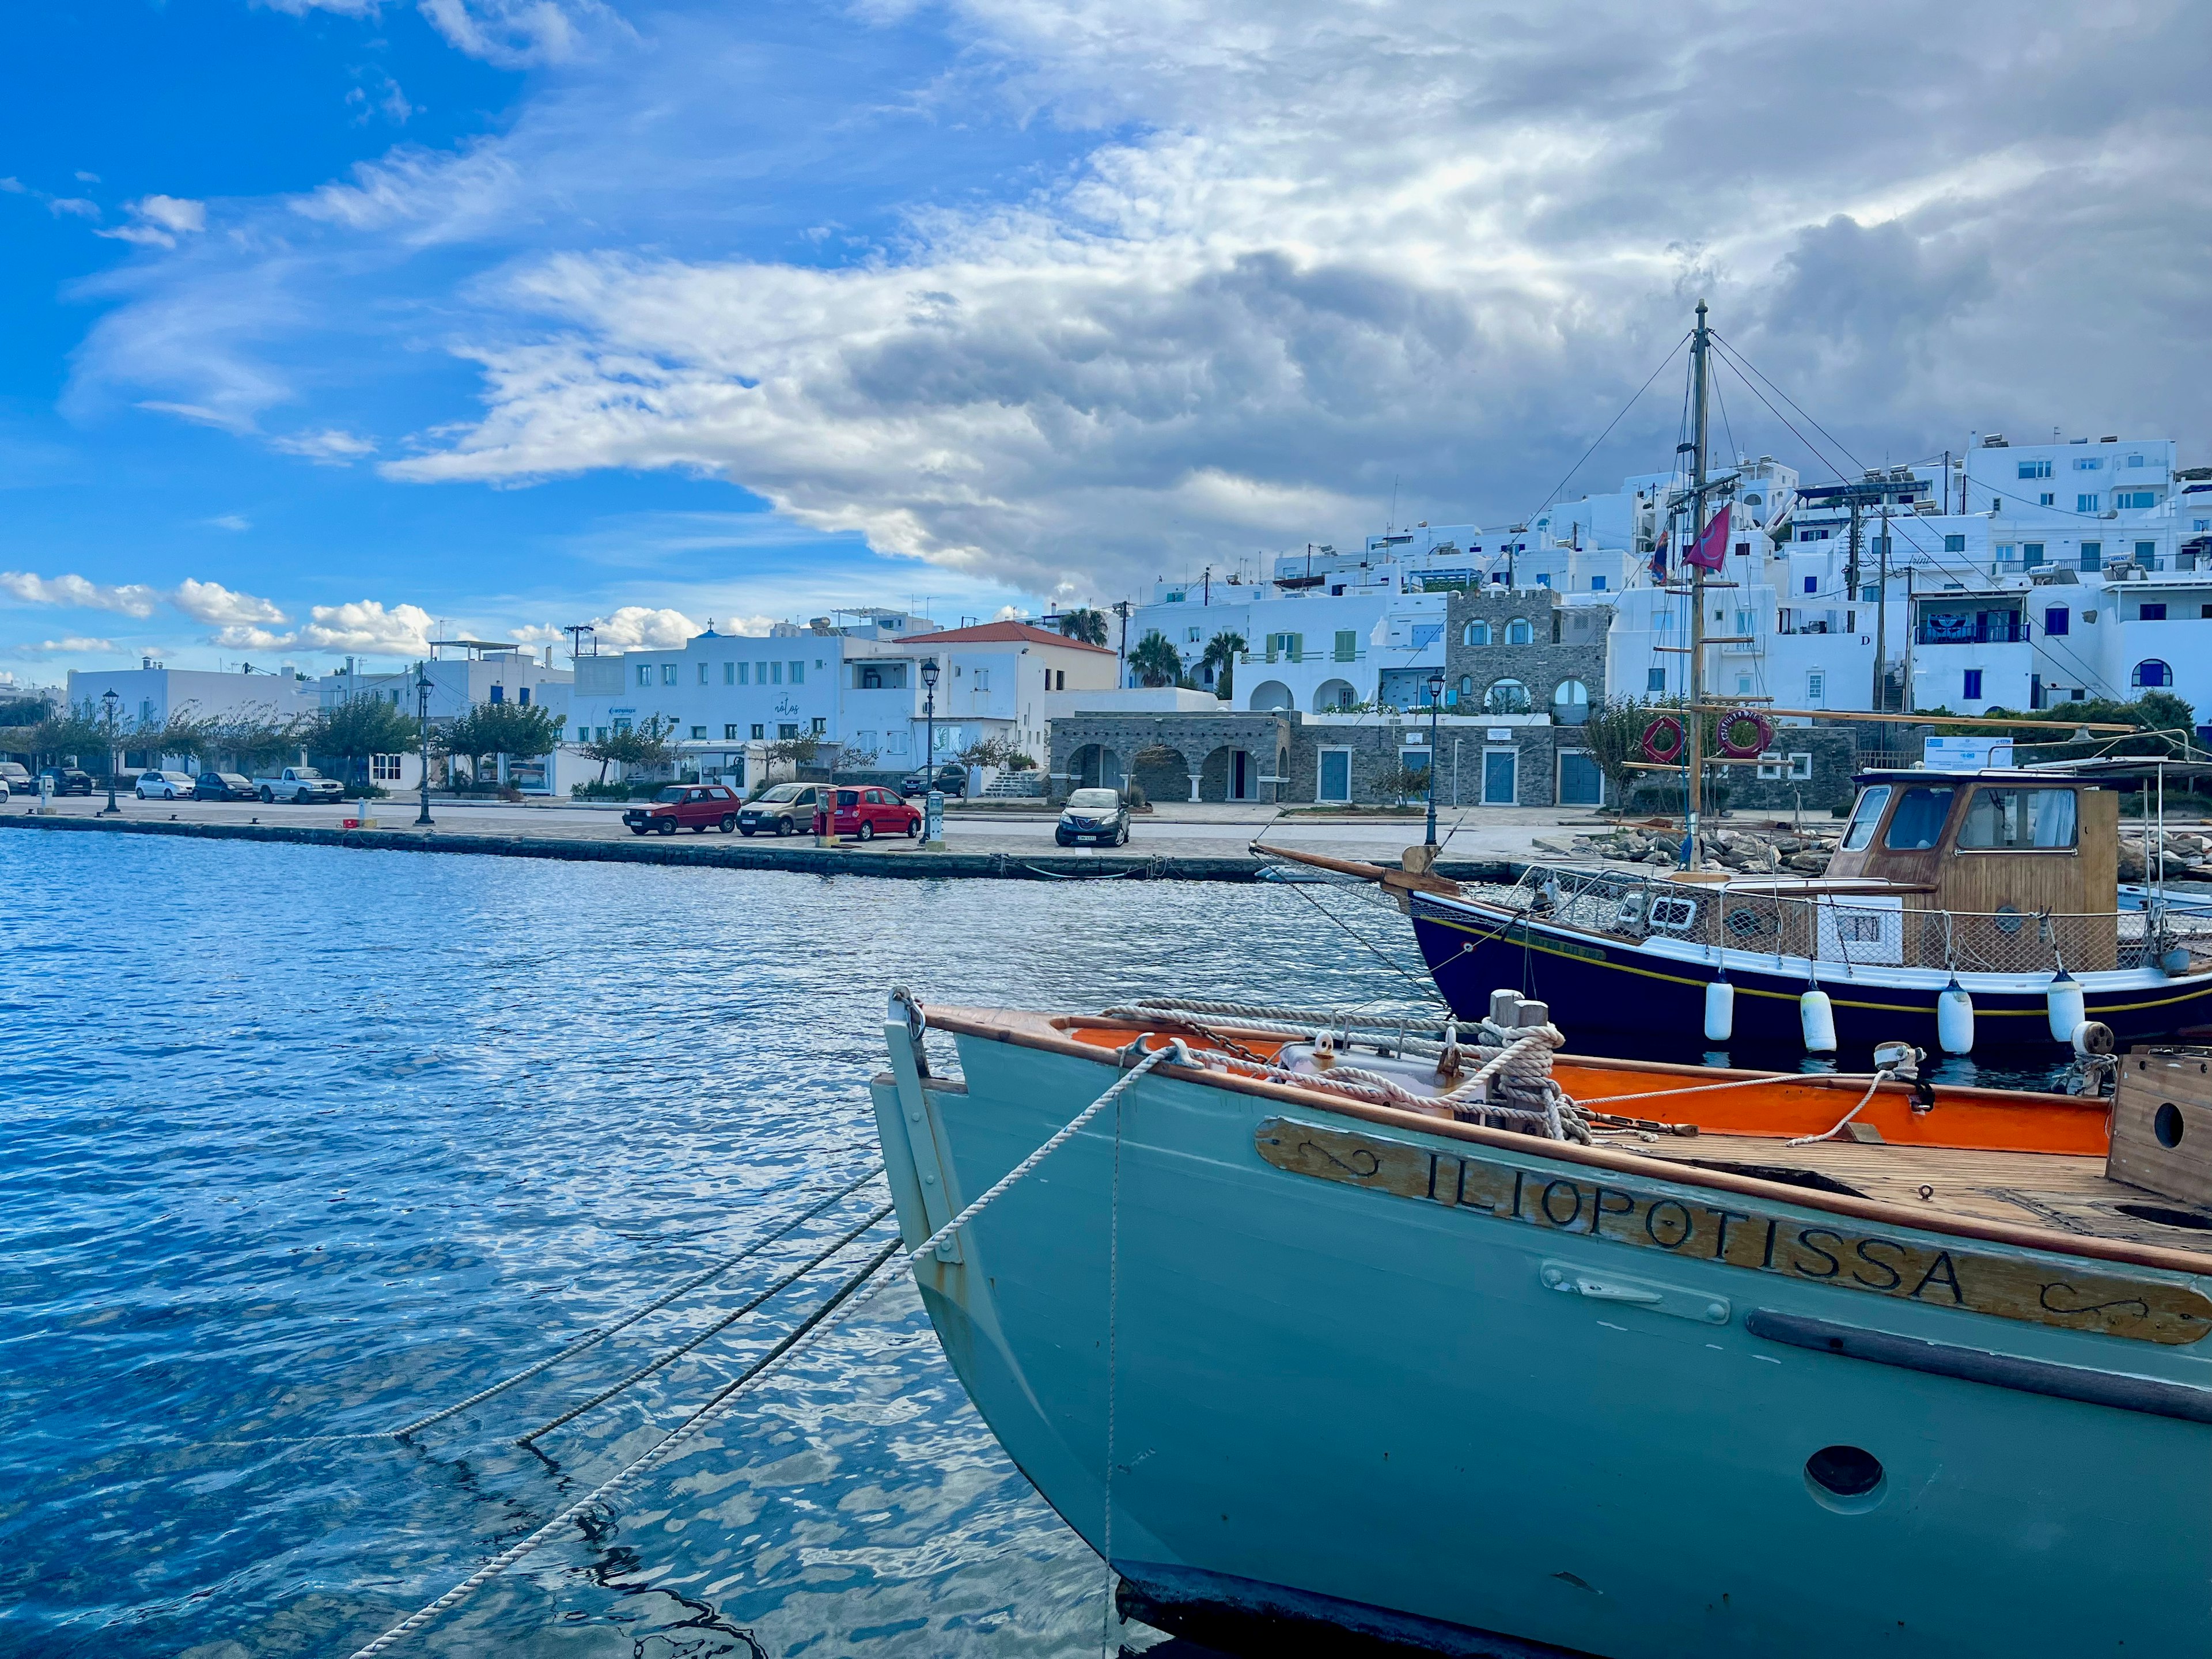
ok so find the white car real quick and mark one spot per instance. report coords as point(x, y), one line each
point(165, 786)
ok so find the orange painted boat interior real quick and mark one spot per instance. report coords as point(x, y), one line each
point(1770, 1105)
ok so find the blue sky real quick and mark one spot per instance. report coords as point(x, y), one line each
point(333, 323)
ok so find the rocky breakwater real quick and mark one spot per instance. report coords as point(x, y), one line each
point(2181, 856)
point(1753, 852)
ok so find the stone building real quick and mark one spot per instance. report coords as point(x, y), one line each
point(1524, 650)
point(1292, 757)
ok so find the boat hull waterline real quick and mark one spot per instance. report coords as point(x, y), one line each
point(1345, 1375)
point(1618, 987)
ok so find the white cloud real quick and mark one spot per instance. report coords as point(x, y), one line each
point(1305, 249)
point(84, 178)
point(240, 636)
point(365, 625)
point(211, 602)
point(231, 521)
point(329, 447)
point(132, 599)
point(637, 627)
point(510, 33)
point(75, 207)
point(73, 645)
point(538, 634)
point(158, 220)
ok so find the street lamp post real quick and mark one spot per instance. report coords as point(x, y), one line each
point(422, 719)
point(933, 802)
point(109, 697)
point(1436, 707)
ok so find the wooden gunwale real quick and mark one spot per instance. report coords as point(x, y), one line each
point(1038, 1031)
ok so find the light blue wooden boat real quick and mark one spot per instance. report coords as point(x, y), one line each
point(1295, 1359)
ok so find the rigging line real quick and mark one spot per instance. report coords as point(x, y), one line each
point(591, 1338)
point(1428, 991)
point(714, 1330)
point(1607, 433)
point(1745, 362)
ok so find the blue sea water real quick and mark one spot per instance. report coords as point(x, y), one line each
point(303, 1141)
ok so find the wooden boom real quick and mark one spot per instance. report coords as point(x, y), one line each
point(1921, 719)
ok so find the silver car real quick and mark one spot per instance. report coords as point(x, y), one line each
point(164, 786)
point(1095, 814)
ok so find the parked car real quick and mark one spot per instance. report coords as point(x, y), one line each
point(164, 786)
point(18, 781)
point(783, 809)
point(867, 813)
point(69, 779)
point(951, 779)
point(1098, 814)
point(222, 786)
point(300, 785)
point(697, 806)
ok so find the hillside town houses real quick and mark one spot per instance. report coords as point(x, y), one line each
point(2013, 574)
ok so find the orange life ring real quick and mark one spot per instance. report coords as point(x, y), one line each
point(1734, 744)
point(1663, 740)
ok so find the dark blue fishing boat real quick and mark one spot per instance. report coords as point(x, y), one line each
point(1966, 912)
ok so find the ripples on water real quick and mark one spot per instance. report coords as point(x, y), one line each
point(301, 1141)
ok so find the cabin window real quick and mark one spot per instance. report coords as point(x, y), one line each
point(2011, 820)
point(1863, 820)
point(1918, 823)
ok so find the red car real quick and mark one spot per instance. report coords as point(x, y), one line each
point(867, 813)
point(699, 806)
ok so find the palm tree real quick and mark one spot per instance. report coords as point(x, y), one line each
point(1086, 623)
point(1154, 661)
point(1221, 653)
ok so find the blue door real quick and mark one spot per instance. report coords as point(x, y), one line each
point(1335, 775)
point(1500, 768)
point(1581, 784)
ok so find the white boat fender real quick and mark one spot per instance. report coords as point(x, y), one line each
point(2062, 999)
point(1954, 1018)
point(2093, 1038)
point(1720, 1011)
point(1817, 1016)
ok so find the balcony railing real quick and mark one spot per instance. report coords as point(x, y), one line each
point(1983, 627)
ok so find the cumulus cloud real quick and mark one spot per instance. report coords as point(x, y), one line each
point(132, 599)
point(211, 602)
point(365, 625)
point(158, 220)
point(328, 447)
point(639, 627)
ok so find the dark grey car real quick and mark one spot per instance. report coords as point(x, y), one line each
point(1094, 814)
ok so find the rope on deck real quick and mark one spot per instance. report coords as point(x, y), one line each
point(838, 1308)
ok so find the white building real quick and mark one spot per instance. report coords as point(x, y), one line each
point(858, 687)
point(151, 695)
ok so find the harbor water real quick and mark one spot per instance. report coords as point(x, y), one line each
point(302, 1142)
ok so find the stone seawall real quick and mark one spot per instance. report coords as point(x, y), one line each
point(906, 864)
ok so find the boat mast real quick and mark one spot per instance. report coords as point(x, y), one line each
point(1697, 721)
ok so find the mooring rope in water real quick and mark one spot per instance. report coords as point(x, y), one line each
point(593, 1338)
point(713, 1330)
point(833, 1312)
point(676, 1437)
point(590, 1338)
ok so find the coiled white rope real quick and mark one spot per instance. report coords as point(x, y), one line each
point(840, 1308)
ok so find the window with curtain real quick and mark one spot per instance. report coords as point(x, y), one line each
point(2011, 820)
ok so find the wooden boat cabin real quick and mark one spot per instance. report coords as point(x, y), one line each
point(2000, 852)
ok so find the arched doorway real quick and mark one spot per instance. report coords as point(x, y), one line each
point(1272, 694)
point(1162, 773)
point(1094, 766)
point(1335, 697)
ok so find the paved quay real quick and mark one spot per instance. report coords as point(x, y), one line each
point(1174, 842)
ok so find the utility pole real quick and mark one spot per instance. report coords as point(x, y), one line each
point(1696, 720)
point(1881, 617)
point(1121, 609)
point(1851, 557)
point(576, 631)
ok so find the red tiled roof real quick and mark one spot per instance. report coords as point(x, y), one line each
point(1001, 633)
